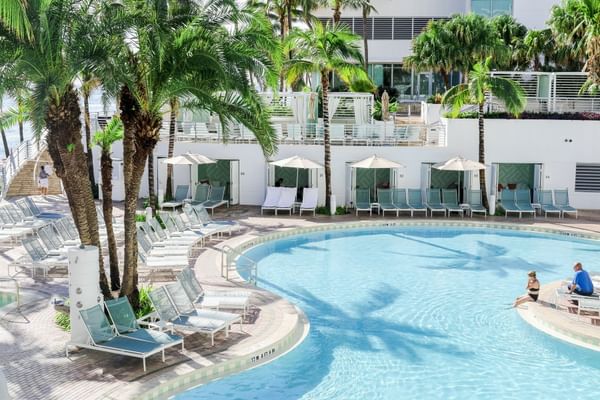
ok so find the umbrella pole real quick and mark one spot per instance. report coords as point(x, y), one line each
point(459, 188)
point(297, 173)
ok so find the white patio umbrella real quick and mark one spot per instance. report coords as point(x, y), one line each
point(376, 163)
point(189, 159)
point(459, 164)
point(298, 163)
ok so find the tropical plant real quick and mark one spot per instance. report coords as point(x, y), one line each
point(480, 84)
point(89, 82)
point(576, 23)
point(43, 32)
point(325, 49)
point(17, 115)
point(538, 43)
point(173, 112)
point(205, 53)
point(104, 139)
point(512, 34)
point(378, 109)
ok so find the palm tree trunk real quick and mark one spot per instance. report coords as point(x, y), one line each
point(482, 181)
point(66, 150)
point(20, 122)
point(174, 104)
point(326, 138)
point(151, 191)
point(289, 15)
point(282, 36)
point(141, 133)
point(445, 78)
point(88, 138)
point(107, 209)
point(5, 143)
point(365, 15)
point(337, 12)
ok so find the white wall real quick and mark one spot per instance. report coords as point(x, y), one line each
point(399, 8)
point(533, 14)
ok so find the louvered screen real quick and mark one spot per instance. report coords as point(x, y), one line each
point(587, 178)
point(358, 28)
point(403, 28)
point(383, 28)
point(346, 22)
point(324, 21)
point(419, 25)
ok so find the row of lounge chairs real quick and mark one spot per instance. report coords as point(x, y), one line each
point(175, 309)
point(550, 202)
point(210, 197)
point(284, 199)
point(443, 201)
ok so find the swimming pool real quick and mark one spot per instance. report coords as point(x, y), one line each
point(416, 313)
point(6, 298)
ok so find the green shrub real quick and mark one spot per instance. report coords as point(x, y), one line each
point(435, 99)
point(145, 303)
point(63, 321)
point(323, 211)
point(140, 217)
point(341, 211)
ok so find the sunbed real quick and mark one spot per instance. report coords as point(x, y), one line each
point(363, 201)
point(523, 201)
point(201, 194)
point(286, 200)
point(102, 337)
point(384, 199)
point(216, 199)
point(450, 201)
point(415, 201)
point(547, 205)
point(31, 209)
point(434, 202)
point(208, 222)
point(181, 193)
point(475, 203)
point(271, 199)
point(169, 315)
point(196, 223)
point(310, 198)
point(39, 257)
point(507, 202)
point(561, 200)
point(399, 200)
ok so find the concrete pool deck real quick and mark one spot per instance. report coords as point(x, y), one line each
point(32, 346)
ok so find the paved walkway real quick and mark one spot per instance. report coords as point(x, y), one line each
point(32, 346)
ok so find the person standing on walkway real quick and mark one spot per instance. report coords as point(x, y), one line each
point(43, 181)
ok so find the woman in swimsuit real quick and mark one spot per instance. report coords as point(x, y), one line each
point(533, 290)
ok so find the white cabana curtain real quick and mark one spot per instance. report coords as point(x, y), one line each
point(361, 112)
point(298, 106)
point(334, 103)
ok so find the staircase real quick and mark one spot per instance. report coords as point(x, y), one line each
point(24, 183)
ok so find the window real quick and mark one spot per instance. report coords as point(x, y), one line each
point(491, 8)
point(402, 81)
point(587, 178)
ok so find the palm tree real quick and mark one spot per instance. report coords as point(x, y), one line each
point(480, 85)
point(576, 23)
point(88, 84)
point(17, 115)
point(325, 49)
point(43, 32)
point(538, 43)
point(367, 9)
point(174, 110)
point(512, 34)
point(104, 139)
point(206, 56)
point(434, 50)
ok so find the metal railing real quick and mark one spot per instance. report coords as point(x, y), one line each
point(229, 260)
point(18, 156)
point(17, 289)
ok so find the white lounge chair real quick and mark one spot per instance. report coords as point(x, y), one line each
point(272, 198)
point(310, 198)
point(286, 200)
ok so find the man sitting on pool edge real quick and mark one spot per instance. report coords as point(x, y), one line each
point(582, 283)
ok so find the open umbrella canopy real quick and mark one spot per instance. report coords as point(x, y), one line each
point(297, 162)
point(189, 159)
point(375, 162)
point(459, 164)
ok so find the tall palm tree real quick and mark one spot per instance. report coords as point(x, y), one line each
point(538, 43)
point(325, 49)
point(89, 82)
point(104, 139)
point(43, 31)
point(512, 34)
point(481, 84)
point(206, 56)
point(576, 23)
point(173, 111)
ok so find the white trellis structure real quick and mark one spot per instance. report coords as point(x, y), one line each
point(294, 107)
point(351, 108)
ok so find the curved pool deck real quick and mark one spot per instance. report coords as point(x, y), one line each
point(277, 325)
point(559, 323)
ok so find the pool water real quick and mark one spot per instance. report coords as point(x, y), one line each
point(414, 313)
point(6, 298)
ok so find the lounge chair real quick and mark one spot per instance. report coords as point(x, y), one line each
point(561, 200)
point(547, 205)
point(208, 222)
point(475, 203)
point(167, 312)
point(102, 337)
point(31, 209)
point(201, 194)
point(174, 231)
point(225, 298)
point(310, 198)
point(450, 201)
point(508, 204)
point(415, 201)
point(39, 258)
point(385, 201)
point(216, 199)
point(523, 201)
point(126, 324)
point(286, 200)
point(173, 250)
point(363, 201)
point(399, 201)
point(182, 226)
point(181, 193)
point(272, 198)
point(434, 202)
